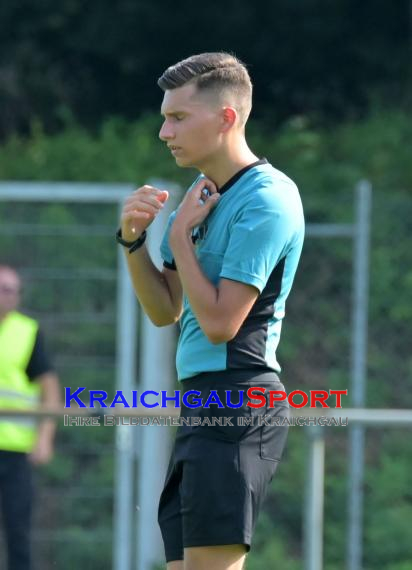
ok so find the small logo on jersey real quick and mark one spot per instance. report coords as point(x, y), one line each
point(199, 234)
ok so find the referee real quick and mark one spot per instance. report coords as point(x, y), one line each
point(230, 254)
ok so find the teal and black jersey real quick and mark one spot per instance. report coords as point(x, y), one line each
point(254, 235)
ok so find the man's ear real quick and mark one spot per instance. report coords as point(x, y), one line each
point(229, 116)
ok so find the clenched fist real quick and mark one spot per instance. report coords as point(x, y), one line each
point(140, 209)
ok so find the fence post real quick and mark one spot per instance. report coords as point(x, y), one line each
point(358, 372)
point(315, 473)
point(157, 372)
point(126, 320)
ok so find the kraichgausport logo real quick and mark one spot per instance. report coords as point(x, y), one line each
point(255, 397)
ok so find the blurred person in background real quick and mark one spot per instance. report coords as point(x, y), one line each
point(230, 255)
point(26, 380)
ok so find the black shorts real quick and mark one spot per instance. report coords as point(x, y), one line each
point(219, 474)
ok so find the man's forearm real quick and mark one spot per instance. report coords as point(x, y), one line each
point(51, 400)
point(151, 288)
point(47, 430)
point(203, 296)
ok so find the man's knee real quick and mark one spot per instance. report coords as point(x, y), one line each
point(227, 557)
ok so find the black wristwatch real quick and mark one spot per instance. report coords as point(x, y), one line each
point(131, 245)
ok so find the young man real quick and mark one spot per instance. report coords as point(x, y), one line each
point(230, 254)
point(26, 377)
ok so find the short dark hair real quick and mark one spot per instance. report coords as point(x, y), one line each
point(215, 70)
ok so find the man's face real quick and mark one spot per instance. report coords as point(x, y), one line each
point(9, 291)
point(192, 126)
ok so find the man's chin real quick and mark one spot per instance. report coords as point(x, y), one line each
point(182, 162)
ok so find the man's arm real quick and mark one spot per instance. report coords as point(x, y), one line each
point(256, 244)
point(159, 292)
point(50, 397)
point(220, 310)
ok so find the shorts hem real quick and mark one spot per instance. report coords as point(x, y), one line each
point(246, 541)
point(177, 558)
point(203, 542)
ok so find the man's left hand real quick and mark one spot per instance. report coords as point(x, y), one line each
point(42, 453)
point(196, 205)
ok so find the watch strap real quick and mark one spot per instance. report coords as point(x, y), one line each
point(131, 245)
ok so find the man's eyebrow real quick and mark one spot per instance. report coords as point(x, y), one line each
point(172, 113)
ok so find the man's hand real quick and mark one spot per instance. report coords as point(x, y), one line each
point(140, 209)
point(50, 397)
point(42, 453)
point(196, 206)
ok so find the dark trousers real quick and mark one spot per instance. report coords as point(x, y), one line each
point(16, 506)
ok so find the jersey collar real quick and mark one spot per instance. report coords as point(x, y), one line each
point(239, 174)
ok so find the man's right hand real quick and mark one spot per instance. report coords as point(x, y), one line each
point(140, 209)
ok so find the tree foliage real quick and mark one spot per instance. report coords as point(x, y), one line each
point(99, 58)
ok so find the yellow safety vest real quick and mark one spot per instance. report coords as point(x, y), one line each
point(17, 337)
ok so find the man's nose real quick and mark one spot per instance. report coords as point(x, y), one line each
point(166, 132)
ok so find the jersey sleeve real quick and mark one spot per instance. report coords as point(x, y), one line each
point(258, 241)
point(39, 362)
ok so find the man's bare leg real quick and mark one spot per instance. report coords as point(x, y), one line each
point(230, 557)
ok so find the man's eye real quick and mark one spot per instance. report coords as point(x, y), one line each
point(179, 117)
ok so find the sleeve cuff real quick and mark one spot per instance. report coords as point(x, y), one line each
point(170, 265)
point(246, 278)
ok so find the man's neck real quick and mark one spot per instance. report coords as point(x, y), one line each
point(228, 163)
